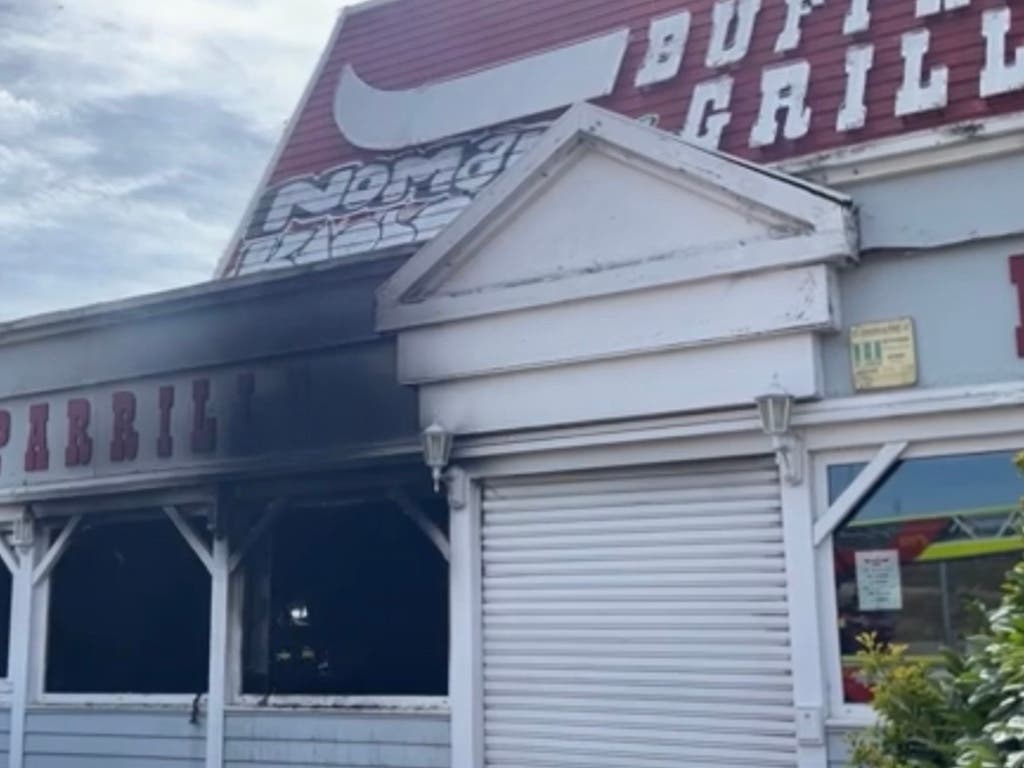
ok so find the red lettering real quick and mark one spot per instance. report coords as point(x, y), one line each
point(1017, 278)
point(5, 429)
point(79, 448)
point(37, 453)
point(164, 441)
point(124, 444)
point(204, 428)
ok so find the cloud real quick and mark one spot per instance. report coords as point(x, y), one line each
point(132, 135)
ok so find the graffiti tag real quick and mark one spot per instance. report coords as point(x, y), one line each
point(370, 206)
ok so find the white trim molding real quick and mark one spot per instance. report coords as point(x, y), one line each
point(817, 422)
point(864, 483)
point(55, 551)
point(22, 648)
point(809, 690)
point(969, 140)
point(465, 665)
point(402, 705)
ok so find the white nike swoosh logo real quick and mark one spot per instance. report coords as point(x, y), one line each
point(378, 119)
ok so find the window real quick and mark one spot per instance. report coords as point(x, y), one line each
point(936, 534)
point(129, 611)
point(348, 597)
point(6, 586)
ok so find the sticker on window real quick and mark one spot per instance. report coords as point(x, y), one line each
point(878, 580)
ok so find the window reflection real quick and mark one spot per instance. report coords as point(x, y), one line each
point(935, 535)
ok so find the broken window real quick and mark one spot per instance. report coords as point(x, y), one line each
point(6, 585)
point(129, 610)
point(348, 597)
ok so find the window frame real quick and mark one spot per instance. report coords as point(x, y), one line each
point(7, 522)
point(40, 625)
point(841, 713)
point(237, 699)
point(52, 515)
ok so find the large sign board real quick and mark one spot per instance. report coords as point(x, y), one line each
point(219, 418)
point(1017, 278)
point(422, 103)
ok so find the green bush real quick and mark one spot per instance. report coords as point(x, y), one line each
point(967, 711)
point(992, 680)
point(919, 713)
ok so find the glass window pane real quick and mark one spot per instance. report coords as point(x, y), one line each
point(348, 598)
point(935, 534)
point(129, 612)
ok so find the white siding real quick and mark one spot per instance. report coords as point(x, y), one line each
point(76, 737)
point(637, 620)
point(335, 739)
point(5, 735)
point(839, 747)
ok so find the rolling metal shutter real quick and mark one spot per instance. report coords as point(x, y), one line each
point(637, 620)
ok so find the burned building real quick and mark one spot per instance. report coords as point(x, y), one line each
point(709, 315)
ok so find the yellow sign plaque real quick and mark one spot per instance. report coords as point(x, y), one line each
point(883, 354)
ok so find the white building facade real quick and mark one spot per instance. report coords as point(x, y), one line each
point(586, 250)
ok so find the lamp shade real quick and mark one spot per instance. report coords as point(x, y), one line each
point(775, 411)
point(437, 449)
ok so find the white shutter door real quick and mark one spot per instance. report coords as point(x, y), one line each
point(637, 620)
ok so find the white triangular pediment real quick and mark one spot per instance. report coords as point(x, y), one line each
point(603, 205)
point(605, 212)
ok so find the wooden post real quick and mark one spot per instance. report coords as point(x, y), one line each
point(216, 698)
point(20, 660)
point(804, 628)
point(464, 582)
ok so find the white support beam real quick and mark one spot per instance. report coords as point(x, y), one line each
point(236, 608)
point(58, 548)
point(422, 521)
point(216, 698)
point(862, 485)
point(273, 510)
point(19, 658)
point(809, 686)
point(191, 537)
point(8, 555)
point(465, 659)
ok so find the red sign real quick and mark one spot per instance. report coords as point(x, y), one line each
point(119, 420)
point(765, 79)
point(1017, 278)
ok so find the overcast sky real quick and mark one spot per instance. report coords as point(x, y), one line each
point(132, 133)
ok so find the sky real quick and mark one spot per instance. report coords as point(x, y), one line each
point(132, 135)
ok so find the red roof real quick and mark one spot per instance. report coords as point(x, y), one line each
point(401, 44)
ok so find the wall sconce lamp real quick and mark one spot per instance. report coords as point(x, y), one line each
point(437, 450)
point(776, 411)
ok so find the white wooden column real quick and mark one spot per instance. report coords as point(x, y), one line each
point(465, 664)
point(216, 698)
point(218, 562)
point(809, 687)
point(20, 651)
